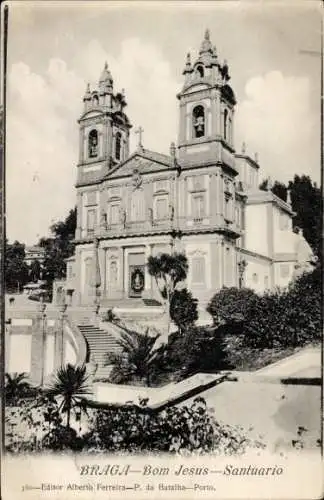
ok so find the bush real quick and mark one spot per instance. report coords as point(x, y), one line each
point(37, 426)
point(188, 429)
point(183, 309)
point(230, 305)
point(198, 349)
point(283, 318)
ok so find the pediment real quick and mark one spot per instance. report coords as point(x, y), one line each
point(144, 163)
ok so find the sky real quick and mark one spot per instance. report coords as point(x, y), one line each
point(54, 49)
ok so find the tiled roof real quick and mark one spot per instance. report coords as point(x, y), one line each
point(145, 161)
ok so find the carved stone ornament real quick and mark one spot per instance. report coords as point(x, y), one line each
point(136, 179)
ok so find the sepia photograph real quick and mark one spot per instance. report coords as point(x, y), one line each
point(162, 225)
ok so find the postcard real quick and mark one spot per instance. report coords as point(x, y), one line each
point(161, 204)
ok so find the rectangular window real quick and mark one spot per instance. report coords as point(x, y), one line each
point(114, 213)
point(198, 270)
point(91, 221)
point(284, 270)
point(137, 207)
point(161, 208)
point(198, 207)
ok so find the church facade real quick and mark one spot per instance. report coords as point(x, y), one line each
point(201, 199)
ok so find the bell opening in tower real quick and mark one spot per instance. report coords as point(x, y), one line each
point(198, 118)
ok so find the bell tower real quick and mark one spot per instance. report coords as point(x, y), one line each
point(207, 105)
point(104, 130)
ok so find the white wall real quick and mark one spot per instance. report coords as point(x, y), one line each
point(20, 353)
point(283, 273)
point(257, 275)
point(284, 239)
point(256, 229)
point(70, 354)
point(49, 353)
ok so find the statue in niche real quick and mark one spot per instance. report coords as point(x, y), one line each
point(113, 272)
point(122, 215)
point(150, 216)
point(171, 211)
point(200, 126)
point(103, 219)
point(93, 144)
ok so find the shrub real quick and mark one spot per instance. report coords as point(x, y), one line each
point(231, 305)
point(284, 318)
point(137, 358)
point(183, 309)
point(187, 429)
point(199, 349)
point(18, 387)
point(29, 426)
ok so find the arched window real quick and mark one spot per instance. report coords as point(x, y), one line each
point(198, 121)
point(200, 71)
point(118, 146)
point(95, 100)
point(225, 123)
point(93, 144)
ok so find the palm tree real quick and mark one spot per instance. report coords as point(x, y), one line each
point(70, 385)
point(16, 386)
point(137, 356)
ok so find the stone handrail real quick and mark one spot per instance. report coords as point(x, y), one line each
point(80, 341)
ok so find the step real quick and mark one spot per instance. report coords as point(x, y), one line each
point(101, 343)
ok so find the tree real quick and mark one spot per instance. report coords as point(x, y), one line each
point(58, 248)
point(16, 269)
point(137, 356)
point(183, 309)
point(168, 271)
point(278, 188)
point(306, 202)
point(70, 385)
point(35, 271)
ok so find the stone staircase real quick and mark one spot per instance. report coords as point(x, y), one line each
point(100, 342)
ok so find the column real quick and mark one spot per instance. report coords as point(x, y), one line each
point(102, 265)
point(79, 215)
point(148, 278)
point(59, 348)
point(81, 144)
point(38, 346)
